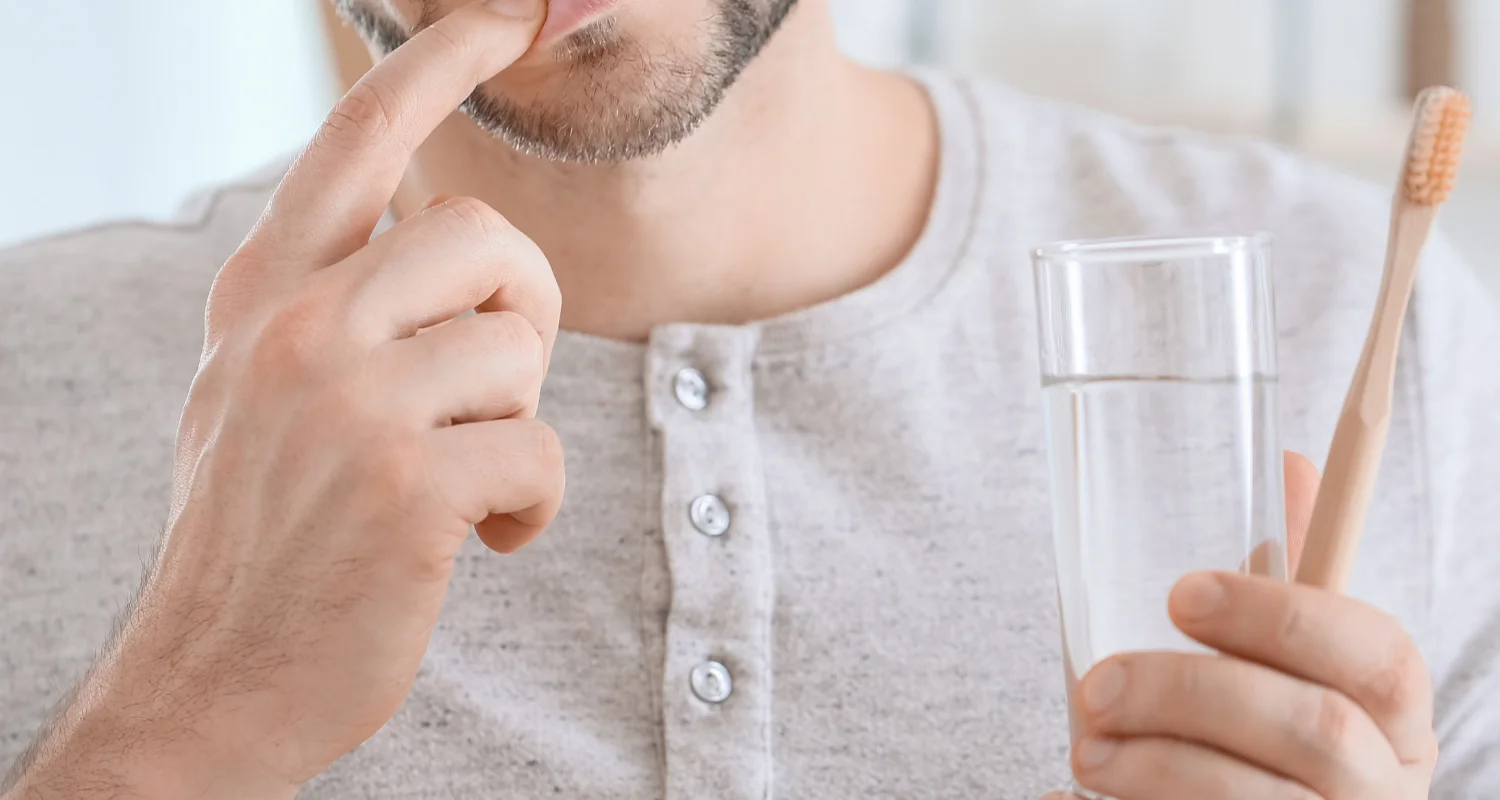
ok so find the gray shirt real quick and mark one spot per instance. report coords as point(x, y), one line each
point(883, 596)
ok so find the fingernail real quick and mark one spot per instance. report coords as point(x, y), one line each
point(517, 9)
point(1092, 753)
point(1198, 597)
point(1103, 686)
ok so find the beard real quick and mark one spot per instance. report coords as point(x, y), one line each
point(616, 98)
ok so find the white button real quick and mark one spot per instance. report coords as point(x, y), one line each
point(711, 682)
point(709, 515)
point(692, 389)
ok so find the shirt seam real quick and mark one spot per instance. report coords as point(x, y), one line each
point(655, 673)
point(966, 252)
point(202, 222)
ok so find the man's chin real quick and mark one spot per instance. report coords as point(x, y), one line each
point(586, 127)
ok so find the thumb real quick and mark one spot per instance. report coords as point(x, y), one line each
point(1061, 796)
point(1302, 481)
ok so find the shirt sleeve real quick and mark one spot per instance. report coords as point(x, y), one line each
point(1456, 331)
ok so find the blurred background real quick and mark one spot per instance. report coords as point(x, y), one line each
point(122, 109)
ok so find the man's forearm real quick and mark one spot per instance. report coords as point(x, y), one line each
point(97, 748)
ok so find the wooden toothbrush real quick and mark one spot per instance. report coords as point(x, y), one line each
point(1432, 155)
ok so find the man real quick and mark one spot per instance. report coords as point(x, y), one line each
point(805, 547)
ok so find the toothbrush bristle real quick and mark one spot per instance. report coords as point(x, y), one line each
point(1437, 143)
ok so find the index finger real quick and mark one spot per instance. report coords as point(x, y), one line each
point(333, 196)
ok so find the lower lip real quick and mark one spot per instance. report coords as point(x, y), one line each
point(567, 16)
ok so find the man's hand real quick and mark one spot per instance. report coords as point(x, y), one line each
point(331, 461)
point(1315, 696)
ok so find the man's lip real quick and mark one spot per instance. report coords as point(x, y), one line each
point(567, 16)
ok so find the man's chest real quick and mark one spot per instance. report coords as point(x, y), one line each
point(808, 588)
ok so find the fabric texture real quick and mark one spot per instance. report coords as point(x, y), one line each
point(884, 598)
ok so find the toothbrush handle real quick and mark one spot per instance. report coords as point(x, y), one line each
point(1343, 500)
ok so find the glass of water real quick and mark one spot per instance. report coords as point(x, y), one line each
point(1158, 365)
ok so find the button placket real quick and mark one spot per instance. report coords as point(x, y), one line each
point(716, 677)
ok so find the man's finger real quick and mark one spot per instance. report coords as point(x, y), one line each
point(1166, 769)
point(480, 368)
point(445, 261)
point(330, 201)
point(1324, 638)
point(1258, 715)
point(504, 477)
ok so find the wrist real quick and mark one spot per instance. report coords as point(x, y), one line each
point(98, 754)
point(129, 732)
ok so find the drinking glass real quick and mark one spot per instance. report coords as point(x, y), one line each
point(1158, 362)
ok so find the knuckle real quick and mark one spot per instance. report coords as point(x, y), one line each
point(474, 216)
point(1186, 679)
point(395, 468)
point(363, 116)
point(545, 448)
point(229, 296)
point(287, 344)
point(512, 334)
point(546, 287)
point(1401, 682)
point(452, 42)
point(1430, 749)
point(1292, 627)
point(347, 406)
point(293, 340)
point(218, 315)
point(1329, 725)
point(380, 456)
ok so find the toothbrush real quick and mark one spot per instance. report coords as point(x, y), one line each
point(1431, 167)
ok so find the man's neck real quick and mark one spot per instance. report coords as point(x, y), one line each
point(812, 179)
